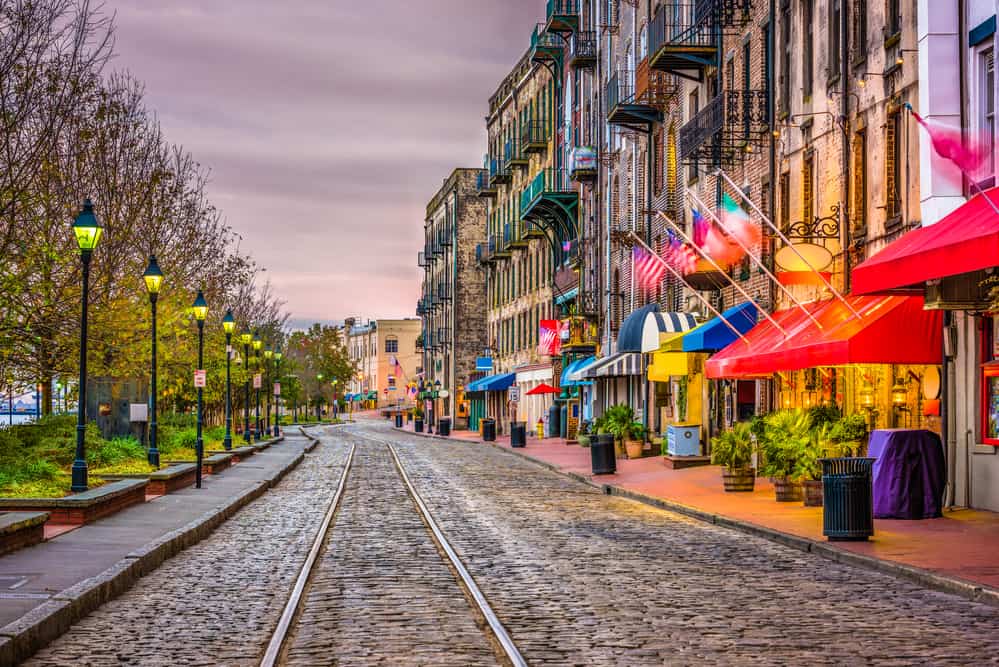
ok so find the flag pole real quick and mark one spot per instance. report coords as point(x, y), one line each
point(731, 281)
point(790, 245)
point(679, 276)
point(748, 251)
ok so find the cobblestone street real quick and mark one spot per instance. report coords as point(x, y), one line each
point(576, 577)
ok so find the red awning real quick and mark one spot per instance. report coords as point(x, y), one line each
point(966, 240)
point(892, 330)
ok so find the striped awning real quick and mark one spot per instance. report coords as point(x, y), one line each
point(616, 365)
point(641, 330)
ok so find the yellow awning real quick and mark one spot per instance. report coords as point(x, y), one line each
point(669, 364)
point(671, 342)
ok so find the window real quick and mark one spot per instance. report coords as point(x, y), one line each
point(785, 57)
point(657, 160)
point(893, 166)
point(808, 188)
point(858, 26)
point(987, 114)
point(767, 70)
point(860, 183)
point(746, 87)
point(893, 17)
point(391, 345)
point(784, 192)
point(672, 186)
point(694, 105)
point(807, 53)
point(835, 37)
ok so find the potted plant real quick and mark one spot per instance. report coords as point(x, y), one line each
point(618, 423)
point(634, 439)
point(733, 450)
point(849, 434)
point(786, 437)
point(808, 467)
point(583, 437)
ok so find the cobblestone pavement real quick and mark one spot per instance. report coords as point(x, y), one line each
point(381, 593)
point(217, 602)
point(580, 578)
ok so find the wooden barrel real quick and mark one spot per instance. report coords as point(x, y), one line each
point(738, 479)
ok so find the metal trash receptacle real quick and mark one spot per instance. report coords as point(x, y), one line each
point(518, 434)
point(418, 424)
point(602, 454)
point(847, 499)
point(554, 421)
point(398, 420)
point(489, 429)
point(444, 426)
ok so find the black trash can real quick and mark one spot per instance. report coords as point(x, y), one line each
point(409, 417)
point(418, 425)
point(444, 426)
point(398, 420)
point(602, 454)
point(489, 429)
point(518, 434)
point(847, 499)
point(555, 421)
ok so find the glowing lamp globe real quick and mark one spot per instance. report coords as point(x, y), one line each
point(86, 228)
point(200, 307)
point(153, 276)
point(228, 322)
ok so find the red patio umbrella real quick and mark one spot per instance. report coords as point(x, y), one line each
point(543, 389)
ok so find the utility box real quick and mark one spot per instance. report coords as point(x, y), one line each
point(109, 403)
point(683, 440)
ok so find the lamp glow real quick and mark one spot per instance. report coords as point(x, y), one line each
point(86, 228)
point(200, 307)
point(153, 276)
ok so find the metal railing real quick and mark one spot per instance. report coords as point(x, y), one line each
point(543, 40)
point(562, 8)
point(682, 24)
point(732, 118)
point(620, 89)
point(547, 180)
point(583, 46)
point(534, 135)
point(482, 181)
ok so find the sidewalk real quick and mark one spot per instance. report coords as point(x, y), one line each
point(92, 558)
point(961, 546)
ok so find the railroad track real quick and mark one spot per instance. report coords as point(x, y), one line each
point(382, 582)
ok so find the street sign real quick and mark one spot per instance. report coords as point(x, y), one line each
point(138, 412)
point(483, 363)
point(513, 394)
point(277, 389)
point(200, 379)
point(385, 391)
point(257, 381)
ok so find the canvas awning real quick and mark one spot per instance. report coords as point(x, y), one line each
point(891, 330)
point(498, 382)
point(641, 330)
point(964, 241)
point(715, 334)
point(615, 365)
point(570, 377)
point(667, 365)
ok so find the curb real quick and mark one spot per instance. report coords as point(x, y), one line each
point(313, 440)
point(954, 586)
point(39, 627)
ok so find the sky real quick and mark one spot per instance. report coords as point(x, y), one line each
point(327, 125)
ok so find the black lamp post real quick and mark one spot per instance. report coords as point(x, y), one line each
point(88, 232)
point(200, 309)
point(228, 325)
point(257, 344)
point(319, 399)
point(268, 355)
point(154, 278)
point(277, 395)
point(246, 338)
point(336, 403)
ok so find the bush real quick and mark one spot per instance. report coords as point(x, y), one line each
point(820, 415)
point(115, 452)
point(787, 437)
point(733, 448)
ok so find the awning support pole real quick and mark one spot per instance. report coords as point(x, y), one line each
point(679, 276)
point(731, 281)
point(748, 251)
point(790, 245)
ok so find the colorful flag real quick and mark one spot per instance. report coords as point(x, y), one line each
point(648, 268)
point(680, 256)
point(948, 144)
point(549, 340)
point(722, 250)
point(700, 229)
point(736, 222)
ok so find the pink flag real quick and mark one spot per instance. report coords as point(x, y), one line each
point(723, 251)
point(736, 222)
point(948, 143)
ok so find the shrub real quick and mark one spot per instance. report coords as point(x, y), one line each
point(115, 452)
point(787, 436)
point(733, 448)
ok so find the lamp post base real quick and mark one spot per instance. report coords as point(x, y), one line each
point(79, 480)
point(154, 458)
point(227, 442)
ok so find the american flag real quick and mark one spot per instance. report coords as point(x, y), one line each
point(549, 341)
point(680, 256)
point(649, 269)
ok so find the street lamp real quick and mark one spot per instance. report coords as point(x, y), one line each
point(228, 325)
point(200, 309)
point(277, 396)
point(246, 338)
point(319, 401)
point(154, 278)
point(257, 344)
point(88, 232)
point(336, 405)
point(268, 355)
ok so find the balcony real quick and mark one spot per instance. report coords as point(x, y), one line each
point(486, 252)
point(534, 137)
point(445, 239)
point(499, 242)
point(583, 50)
point(483, 187)
point(444, 336)
point(501, 174)
point(421, 259)
point(624, 107)
point(583, 335)
point(550, 194)
point(518, 239)
point(545, 46)
point(513, 156)
point(444, 293)
point(563, 16)
point(683, 38)
point(722, 132)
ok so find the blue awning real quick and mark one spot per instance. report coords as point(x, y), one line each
point(497, 382)
point(577, 365)
point(714, 334)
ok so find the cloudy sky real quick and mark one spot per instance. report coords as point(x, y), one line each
point(327, 124)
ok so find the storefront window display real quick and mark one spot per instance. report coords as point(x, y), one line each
point(989, 355)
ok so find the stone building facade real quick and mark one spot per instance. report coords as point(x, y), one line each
point(387, 354)
point(454, 285)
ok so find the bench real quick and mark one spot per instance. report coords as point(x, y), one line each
point(216, 463)
point(237, 453)
point(21, 529)
point(171, 478)
point(85, 507)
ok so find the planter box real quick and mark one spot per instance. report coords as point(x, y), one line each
point(172, 478)
point(81, 508)
point(21, 529)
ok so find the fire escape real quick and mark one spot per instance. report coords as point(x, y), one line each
point(684, 37)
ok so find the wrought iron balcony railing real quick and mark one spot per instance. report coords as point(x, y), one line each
point(444, 292)
point(549, 180)
point(482, 184)
point(583, 49)
point(513, 155)
point(563, 15)
point(545, 45)
point(444, 239)
point(722, 130)
point(534, 136)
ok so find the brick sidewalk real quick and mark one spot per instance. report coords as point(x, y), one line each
point(962, 545)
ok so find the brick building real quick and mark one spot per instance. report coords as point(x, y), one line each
point(387, 355)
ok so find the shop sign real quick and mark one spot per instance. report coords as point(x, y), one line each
point(583, 161)
point(484, 363)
